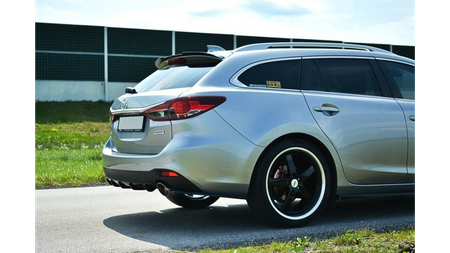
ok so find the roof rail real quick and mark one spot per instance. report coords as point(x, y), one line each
point(263, 46)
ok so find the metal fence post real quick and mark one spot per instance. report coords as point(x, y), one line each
point(106, 63)
point(173, 43)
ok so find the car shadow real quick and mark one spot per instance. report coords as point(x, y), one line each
point(235, 225)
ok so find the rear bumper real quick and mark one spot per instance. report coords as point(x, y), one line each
point(214, 160)
point(142, 172)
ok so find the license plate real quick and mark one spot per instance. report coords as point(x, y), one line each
point(131, 124)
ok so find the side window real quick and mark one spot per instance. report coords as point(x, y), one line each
point(354, 76)
point(279, 74)
point(404, 78)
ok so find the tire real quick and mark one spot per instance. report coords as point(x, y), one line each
point(290, 185)
point(192, 201)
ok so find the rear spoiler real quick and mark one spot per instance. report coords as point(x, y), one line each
point(191, 59)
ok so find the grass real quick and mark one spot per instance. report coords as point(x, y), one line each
point(69, 138)
point(397, 241)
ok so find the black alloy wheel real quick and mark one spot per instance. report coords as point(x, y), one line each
point(291, 184)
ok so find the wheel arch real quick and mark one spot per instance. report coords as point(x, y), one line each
point(314, 141)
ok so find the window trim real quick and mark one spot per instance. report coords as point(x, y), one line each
point(382, 84)
point(235, 81)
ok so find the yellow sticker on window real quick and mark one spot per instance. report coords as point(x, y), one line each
point(273, 84)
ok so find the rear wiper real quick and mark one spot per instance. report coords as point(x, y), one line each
point(130, 90)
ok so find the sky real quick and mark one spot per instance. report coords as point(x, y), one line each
point(369, 21)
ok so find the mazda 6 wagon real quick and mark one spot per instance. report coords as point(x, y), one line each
point(286, 126)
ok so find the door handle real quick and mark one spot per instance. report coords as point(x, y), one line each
point(327, 109)
point(412, 117)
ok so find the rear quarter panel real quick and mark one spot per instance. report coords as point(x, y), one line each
point(264, 115)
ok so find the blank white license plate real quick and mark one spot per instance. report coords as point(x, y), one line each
point(131, 124)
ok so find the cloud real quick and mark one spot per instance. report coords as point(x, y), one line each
point(207, 14)
point(268, 8)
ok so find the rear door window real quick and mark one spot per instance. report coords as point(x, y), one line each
point(278, 74)
point(353, 76)
point(404, 78)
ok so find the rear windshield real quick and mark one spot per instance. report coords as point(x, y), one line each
point(172, 78)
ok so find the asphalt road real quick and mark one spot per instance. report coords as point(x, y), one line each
point(109, 219)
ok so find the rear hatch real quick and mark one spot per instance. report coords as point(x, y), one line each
point(136, 127)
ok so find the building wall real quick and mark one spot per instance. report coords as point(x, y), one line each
point(78, 62)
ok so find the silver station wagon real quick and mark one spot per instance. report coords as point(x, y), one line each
point(286, 126)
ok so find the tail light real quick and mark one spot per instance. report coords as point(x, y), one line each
point(111, 117)
point(183, 108)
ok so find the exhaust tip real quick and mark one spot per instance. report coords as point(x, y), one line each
point(163, 189)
